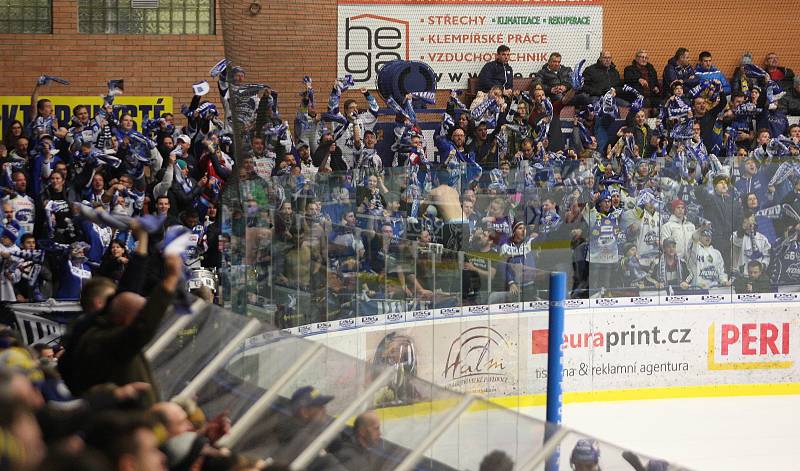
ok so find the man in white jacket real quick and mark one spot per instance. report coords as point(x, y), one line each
point(705, 262)
point(679, 229)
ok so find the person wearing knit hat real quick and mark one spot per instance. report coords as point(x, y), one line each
point(520, 265)
point(707, 263)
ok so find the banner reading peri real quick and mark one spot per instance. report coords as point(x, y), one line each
point(456, 38)
point(141, 108)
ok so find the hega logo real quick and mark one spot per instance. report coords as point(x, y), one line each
point(371, 41)
point(482, 309)
point(677, 299)
point(323, 326)
point(748, 298)
point(347, 323)
point(369, 320)
point(509, 307)
point(784, 296)
point(606, 302)
point(304, 329)
point(449, 311)
point(395, 317)
point(422, 314)
point(480, 361)
point(641, 300)
point(712, 298)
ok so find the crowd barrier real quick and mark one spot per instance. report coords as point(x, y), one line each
point(236, 365)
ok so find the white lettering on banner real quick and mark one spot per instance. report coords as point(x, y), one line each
point(749, 346)
point(456, 46)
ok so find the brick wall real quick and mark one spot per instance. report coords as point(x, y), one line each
point(287, 40)
point(150, 64)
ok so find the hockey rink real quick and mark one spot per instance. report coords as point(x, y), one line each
point(703, 434)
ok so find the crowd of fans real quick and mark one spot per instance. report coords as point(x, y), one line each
point(347, 213)
point(684, 183)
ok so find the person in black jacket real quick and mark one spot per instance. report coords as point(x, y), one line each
point(113, 342)
point(642, 76)
point(555, 78)
point(601, 76)
point(790, 102)
point(724, 213)
point(328, 156)
point(497, 73)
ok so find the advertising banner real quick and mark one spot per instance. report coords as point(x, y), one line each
point(618, 353)
point(141, 108)
point(456, 38)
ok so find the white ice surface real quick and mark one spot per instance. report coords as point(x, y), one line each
point(703, 434)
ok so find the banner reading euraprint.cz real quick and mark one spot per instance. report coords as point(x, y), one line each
point(456, 38)
point(141, 108)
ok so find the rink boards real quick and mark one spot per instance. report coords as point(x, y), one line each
point(615, 349)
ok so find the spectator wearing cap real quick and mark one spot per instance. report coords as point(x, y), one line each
point(642, 77)
point(520, 265)
point(678, 228)
point(670, 270)
point(790, 102)
point(309, 417)
point(783, 75)
point(678, 68)
point(706, 262)
point(307, 167)
point(356, 453)
point(604, 238)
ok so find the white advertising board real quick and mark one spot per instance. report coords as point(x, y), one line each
point(456, 38)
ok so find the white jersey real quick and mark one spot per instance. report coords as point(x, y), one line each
point(24, 210)
point(707, 266)
point(751, 247)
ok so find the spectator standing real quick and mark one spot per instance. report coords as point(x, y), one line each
point(497, 73)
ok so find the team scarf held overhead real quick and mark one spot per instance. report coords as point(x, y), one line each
point(406, 111)
point(576, 76)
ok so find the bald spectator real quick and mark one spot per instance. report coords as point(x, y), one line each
point(601, 76)
point(114, 340)
point(356, 452)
